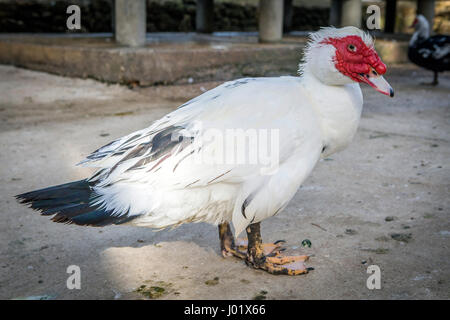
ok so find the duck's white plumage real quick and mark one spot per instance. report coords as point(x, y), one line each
point(168, 173)
point(154, 174)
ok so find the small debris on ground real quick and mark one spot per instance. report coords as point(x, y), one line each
point(377, 250)
point(212, 282)
point(402, 237)
point(261, 295)
point(159, 289)
point(306, 243)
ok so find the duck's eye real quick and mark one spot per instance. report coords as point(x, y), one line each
point(351, 47)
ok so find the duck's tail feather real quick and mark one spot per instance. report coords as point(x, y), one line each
point(72, 203)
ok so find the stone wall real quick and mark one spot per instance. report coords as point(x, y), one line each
point(38, 16)
point(41, 16)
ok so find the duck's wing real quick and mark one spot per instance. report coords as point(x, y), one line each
point(184, 150)
point(242, 105)
point(114, 152)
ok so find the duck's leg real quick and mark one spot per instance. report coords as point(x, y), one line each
point(227, 242)
point(435, 80)
point(239, 248)
point(265, 256)
point(278, 264)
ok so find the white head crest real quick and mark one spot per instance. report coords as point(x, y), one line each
point(315, 38)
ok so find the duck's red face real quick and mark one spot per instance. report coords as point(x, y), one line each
point(360, 62)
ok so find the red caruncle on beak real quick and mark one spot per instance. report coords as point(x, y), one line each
point(376, 63)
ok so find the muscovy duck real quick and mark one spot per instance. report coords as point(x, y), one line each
point(432, 53)
point(173, 172)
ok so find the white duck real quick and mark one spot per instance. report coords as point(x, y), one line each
point(183, 168)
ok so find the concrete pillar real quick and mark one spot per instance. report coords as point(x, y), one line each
point(130, 22)
point(351, 13)
point(335, 13)
point(287, 16)
point(270, 20)
point(204, 16)
point(426, 8)
point(391, 8)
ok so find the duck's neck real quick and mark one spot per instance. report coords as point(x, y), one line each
point(338, 108)
point(422, 33)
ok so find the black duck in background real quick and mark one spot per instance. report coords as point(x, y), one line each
point(431, 53)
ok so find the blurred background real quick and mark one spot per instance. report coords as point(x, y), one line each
point(228, 24)
point(179, 15)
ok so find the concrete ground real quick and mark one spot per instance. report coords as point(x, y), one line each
point(383, 201)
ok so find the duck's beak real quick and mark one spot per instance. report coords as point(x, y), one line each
point(378, 83)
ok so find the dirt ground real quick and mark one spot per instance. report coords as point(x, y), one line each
point(383, 201)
